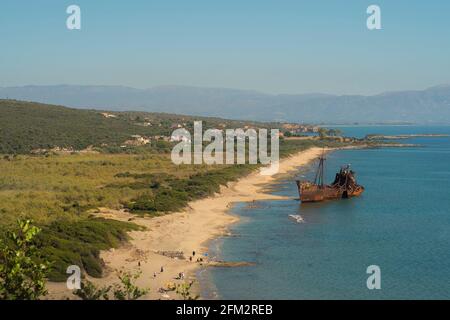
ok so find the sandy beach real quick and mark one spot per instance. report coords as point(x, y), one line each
point(185, 231)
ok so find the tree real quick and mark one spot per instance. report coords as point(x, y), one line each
point(335, 132)
point(126, 289)
point(23, 272)
point(323, 132)
point(89, 291)
point(184, 290)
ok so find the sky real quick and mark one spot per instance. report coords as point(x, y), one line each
point(275, 46)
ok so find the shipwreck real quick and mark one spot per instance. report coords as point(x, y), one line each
point(344, 185)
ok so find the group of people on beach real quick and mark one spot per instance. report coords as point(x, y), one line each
point(191, 258)
point(170, 286)
point(181, 275)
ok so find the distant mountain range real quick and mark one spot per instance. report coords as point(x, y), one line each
point(425, 106)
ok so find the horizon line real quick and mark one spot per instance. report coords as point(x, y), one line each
point(443, 85)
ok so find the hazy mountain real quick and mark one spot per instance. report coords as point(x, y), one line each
point(430, 105)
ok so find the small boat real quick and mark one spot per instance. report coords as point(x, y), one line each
point(344, 185)
point(297, 218)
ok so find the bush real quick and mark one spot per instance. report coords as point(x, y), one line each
point(126, 289)
point(22, 270)
point(79, 243)
point(169, 194)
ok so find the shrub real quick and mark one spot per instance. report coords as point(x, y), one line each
point(22, 270)
point(79, 243)
point(126, 289)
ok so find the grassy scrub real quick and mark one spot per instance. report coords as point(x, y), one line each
point(58, 191)
point(167, 193)
point(79, 243)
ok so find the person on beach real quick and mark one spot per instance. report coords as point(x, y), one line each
point(154, 275)
point(193, 253)
point(162, 269)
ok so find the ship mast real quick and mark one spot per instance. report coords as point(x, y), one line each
point(319, 180)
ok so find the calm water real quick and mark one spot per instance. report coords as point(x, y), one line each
point(401, 223)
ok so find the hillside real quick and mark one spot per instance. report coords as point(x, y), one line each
point(423, 106)
point(25, 126)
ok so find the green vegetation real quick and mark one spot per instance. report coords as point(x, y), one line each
point(324, 132)
point(89, 291)
point(79, 243)
point(126, 289)
point(166, 193)
point(27, 126)
point(184, 290)
point(22, 270)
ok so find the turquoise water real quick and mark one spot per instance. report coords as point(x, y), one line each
point(401, 224)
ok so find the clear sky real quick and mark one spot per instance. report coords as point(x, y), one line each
point(270, 46)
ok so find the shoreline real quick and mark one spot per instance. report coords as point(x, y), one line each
point(186, 231)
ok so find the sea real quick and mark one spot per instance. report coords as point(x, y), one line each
point(400, 225)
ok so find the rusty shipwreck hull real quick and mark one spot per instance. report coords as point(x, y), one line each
point(344, 185)
point(315, 193)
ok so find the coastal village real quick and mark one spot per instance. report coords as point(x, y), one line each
point(287, 130)
point(160, 129)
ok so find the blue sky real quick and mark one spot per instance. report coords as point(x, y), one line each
point(270, 46)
